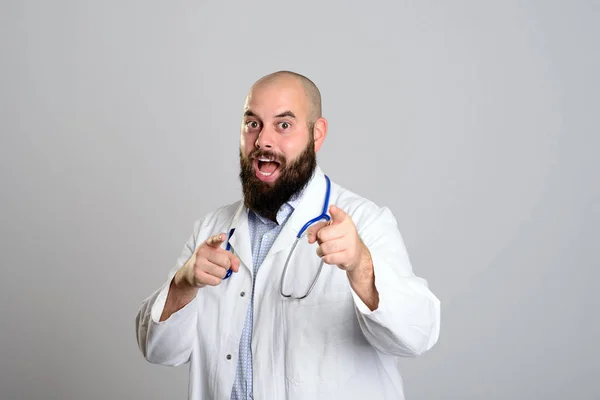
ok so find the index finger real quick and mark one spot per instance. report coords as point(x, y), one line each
point(216, 240)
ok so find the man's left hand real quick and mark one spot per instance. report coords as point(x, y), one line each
point(339, 243)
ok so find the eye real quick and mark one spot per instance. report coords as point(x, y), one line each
point(284, 125)
point(252, 125)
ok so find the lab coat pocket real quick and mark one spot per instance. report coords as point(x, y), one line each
point(319, 332)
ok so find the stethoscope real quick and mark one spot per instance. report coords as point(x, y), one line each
point(324, 216)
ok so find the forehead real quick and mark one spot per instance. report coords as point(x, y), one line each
point(272, 98)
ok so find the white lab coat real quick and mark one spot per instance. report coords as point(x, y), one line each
point(326, 346)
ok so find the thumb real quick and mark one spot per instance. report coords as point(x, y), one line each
point(337, 214)
point(312, 232)
point(216, 240)
point(235, 262)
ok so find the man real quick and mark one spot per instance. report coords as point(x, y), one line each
point(279, 327)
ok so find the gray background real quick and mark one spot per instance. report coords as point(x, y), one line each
point(475, 122)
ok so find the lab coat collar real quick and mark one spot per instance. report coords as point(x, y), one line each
point(307, 205)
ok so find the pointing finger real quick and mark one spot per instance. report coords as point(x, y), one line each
point(216, 240)
point(337, 214)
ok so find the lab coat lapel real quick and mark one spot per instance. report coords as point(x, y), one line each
point(240, 240)
point(309, 207)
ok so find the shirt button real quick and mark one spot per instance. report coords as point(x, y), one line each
point(228, 356)
point(242, 294)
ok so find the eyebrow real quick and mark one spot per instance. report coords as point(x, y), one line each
point(288, 113)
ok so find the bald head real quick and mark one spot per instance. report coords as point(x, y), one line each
point(313, 95)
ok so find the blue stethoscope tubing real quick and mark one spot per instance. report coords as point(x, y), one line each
point(323, 215)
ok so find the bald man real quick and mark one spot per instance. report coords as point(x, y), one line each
point(300, 290)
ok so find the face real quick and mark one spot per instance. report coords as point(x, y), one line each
point(278, 145)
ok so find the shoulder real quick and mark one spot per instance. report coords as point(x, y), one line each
point(363, 211)
point(218, 218)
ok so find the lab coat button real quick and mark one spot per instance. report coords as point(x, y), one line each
point(228, 356)
point(242, 294)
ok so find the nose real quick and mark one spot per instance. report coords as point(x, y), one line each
point(265, 139)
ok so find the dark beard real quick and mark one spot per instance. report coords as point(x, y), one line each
point(266, 199)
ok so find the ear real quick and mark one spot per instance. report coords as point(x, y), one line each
point(320, 131)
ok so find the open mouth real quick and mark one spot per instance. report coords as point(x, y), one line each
point(266, 167)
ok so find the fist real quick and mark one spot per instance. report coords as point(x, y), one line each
point(339, 243)
point(209, 263)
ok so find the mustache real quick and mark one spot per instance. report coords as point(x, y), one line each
point(258, 153)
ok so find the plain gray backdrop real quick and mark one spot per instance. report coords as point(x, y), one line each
point(476, 122)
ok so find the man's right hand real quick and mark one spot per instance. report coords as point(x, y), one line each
point(208, 265)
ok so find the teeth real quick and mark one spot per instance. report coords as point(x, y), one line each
point(265, 159)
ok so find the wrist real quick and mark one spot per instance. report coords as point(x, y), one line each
point(363, 272)
point(184, 278)
point(180, 294)
point(362, 280)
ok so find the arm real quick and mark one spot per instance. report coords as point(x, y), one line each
point(167, 322)
point(397, 312)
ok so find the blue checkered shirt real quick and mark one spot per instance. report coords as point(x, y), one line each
point(263, 233)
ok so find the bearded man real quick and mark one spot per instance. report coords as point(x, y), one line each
point(303, 289)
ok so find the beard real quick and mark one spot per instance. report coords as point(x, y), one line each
point(265, 198)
